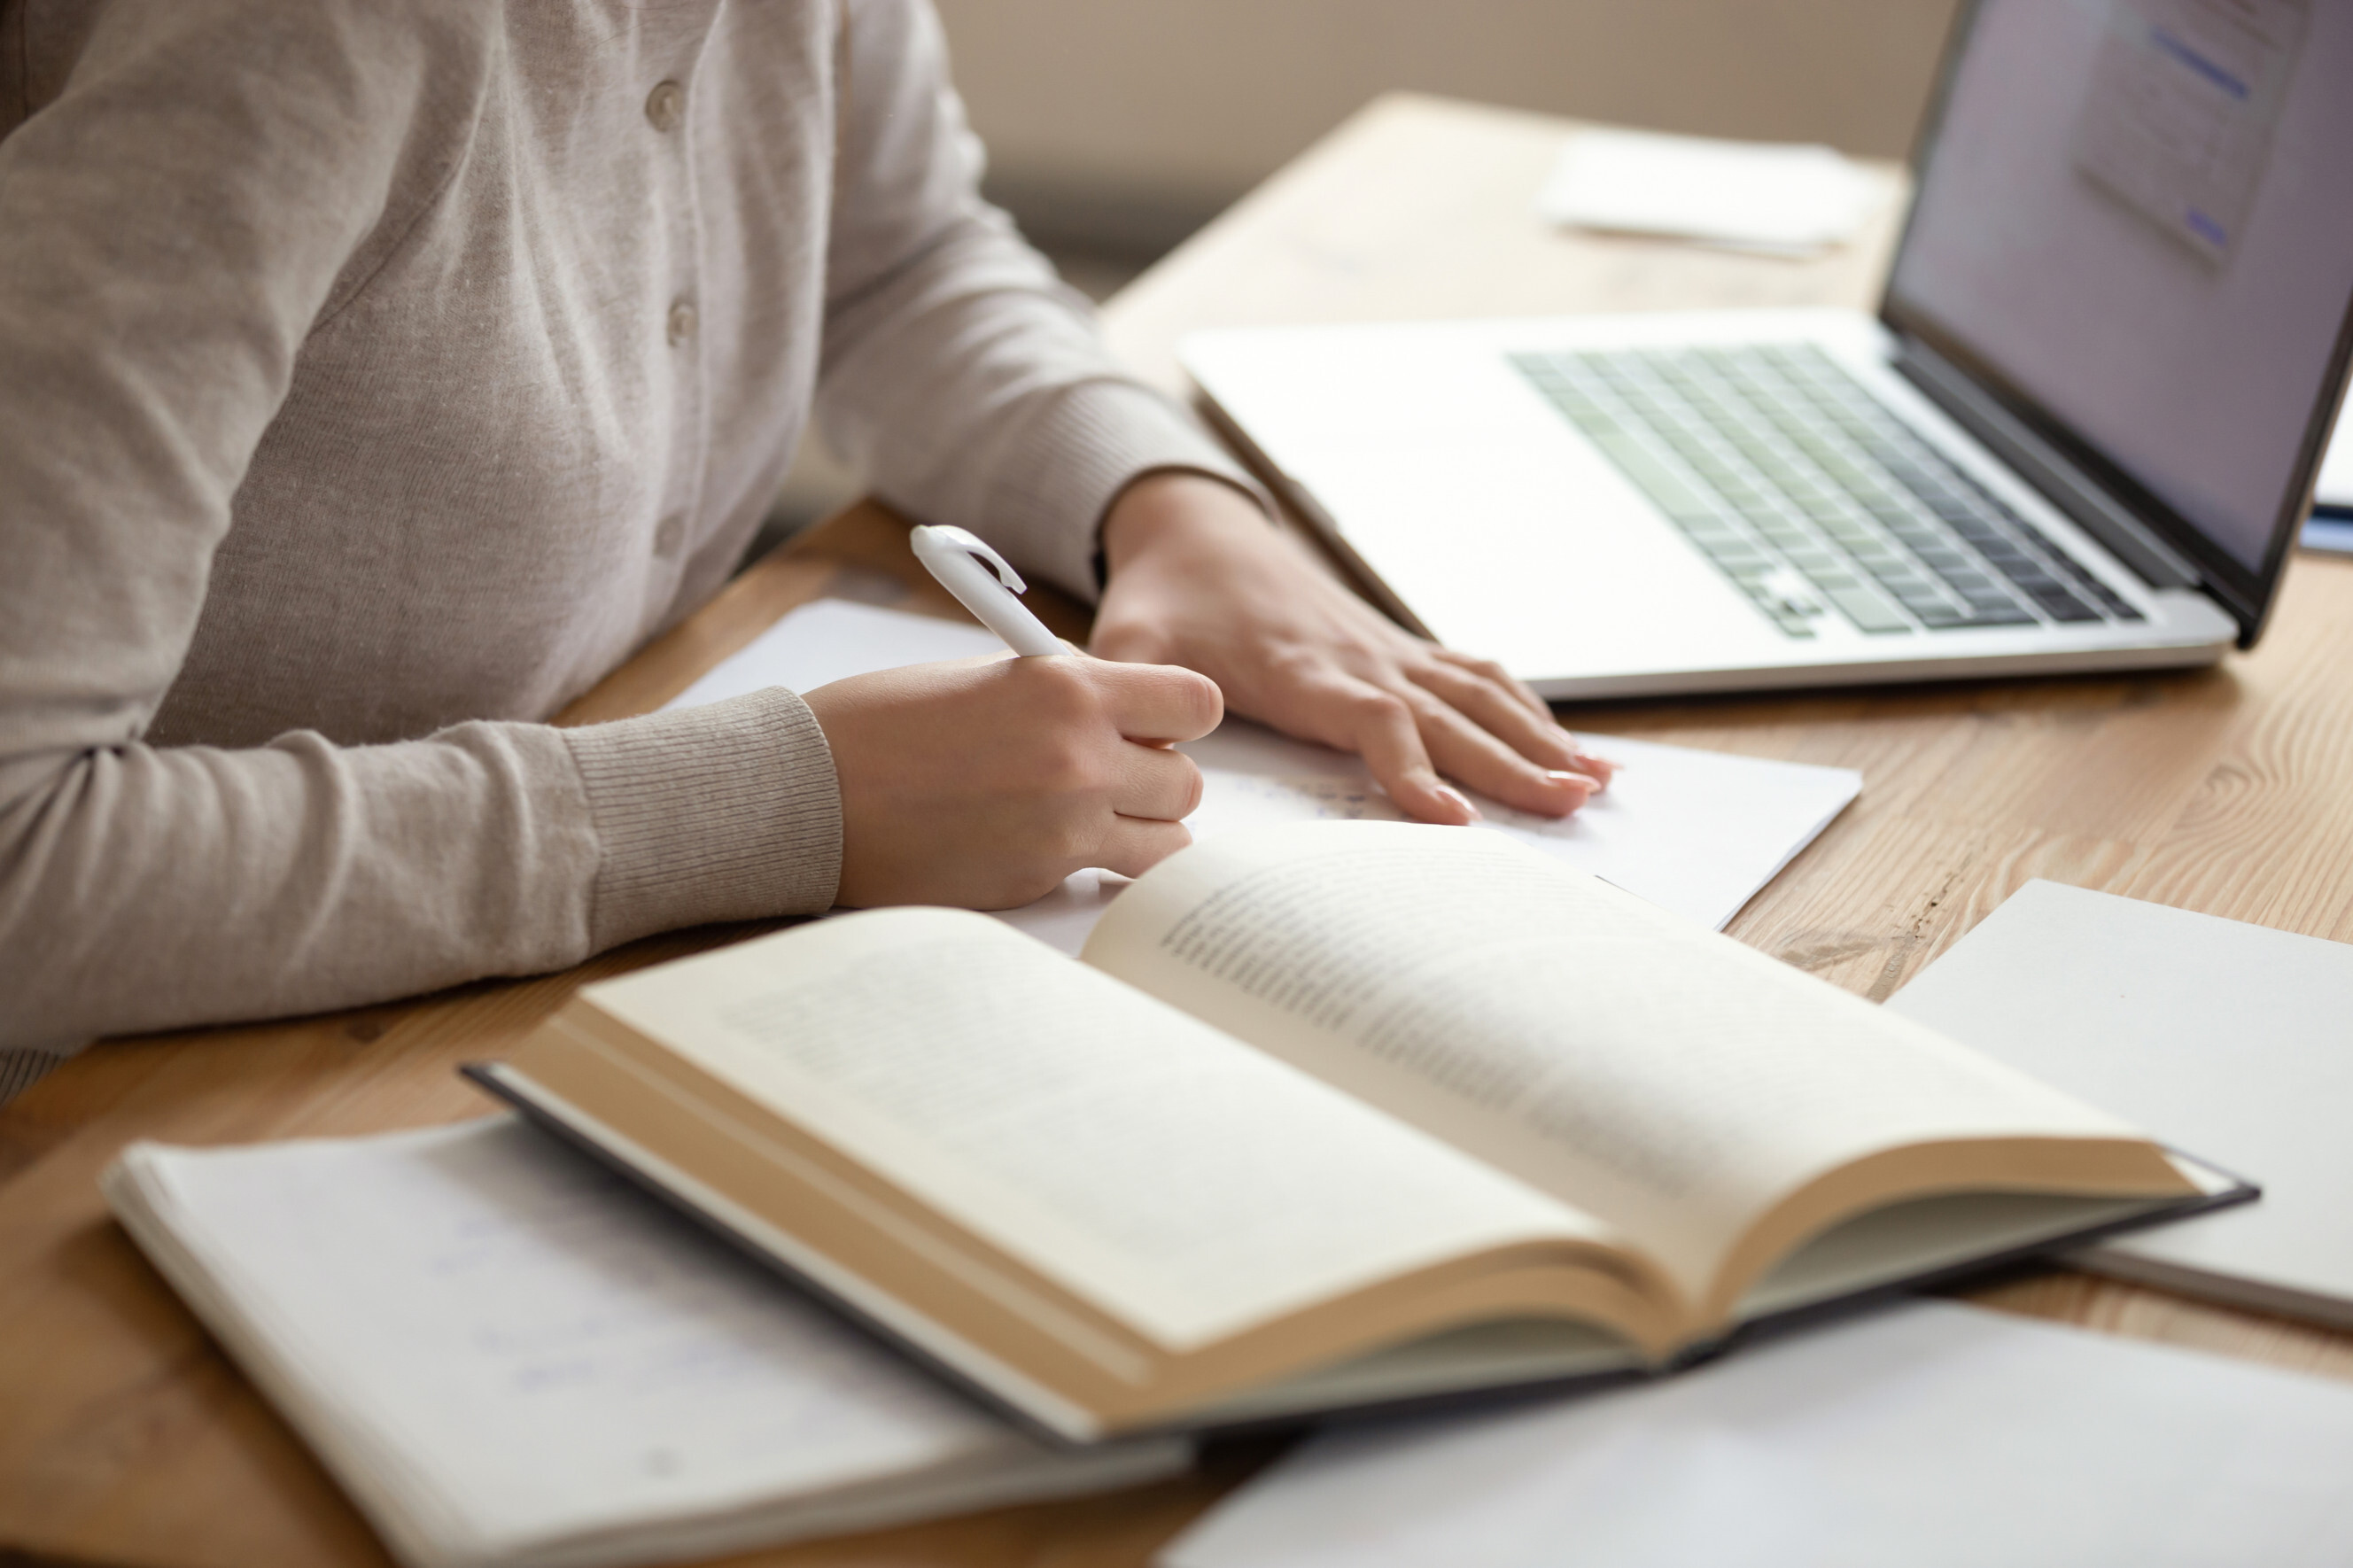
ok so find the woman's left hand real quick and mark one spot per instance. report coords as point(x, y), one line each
point(1197, 577)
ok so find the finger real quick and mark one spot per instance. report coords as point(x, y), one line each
point(1464, 750)
point(1158, 701)
point(1488, 670)
point(1601, 769)
point(1380, 727)
point(1134, 845)
point(1154, 782)
point(1494, 709)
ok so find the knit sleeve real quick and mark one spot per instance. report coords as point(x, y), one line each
point(171, 227)
point(964, 378)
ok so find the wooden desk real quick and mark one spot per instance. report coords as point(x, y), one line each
point(126, 1439)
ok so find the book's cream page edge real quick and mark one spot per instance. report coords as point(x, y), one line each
point(1181, 1182)
point(1666, 1079)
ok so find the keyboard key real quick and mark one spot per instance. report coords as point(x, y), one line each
point(1667, 489)
point(2062, 605)
point(1957, 620)
point(1866, 610)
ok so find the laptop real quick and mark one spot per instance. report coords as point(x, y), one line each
point(2080, 434)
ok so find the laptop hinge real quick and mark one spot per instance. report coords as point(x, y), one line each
point(2062, 484)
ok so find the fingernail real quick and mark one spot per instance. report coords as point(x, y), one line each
point(1585, 781)
point(1449, 793)
point(1602, 769)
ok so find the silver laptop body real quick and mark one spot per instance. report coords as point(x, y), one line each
point(2079, 434)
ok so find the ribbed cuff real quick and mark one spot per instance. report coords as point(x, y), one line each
point(1066, 466)
point(20, 1070)
point(727, 811)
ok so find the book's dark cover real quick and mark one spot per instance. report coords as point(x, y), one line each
point(543, 1110)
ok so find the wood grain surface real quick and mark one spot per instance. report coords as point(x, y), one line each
point(127, 1439)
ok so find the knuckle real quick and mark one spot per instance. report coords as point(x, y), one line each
point(1298, 664)
point(1424, 705)
point(1073, 691)
point(1127, 641)
point(1206, 703)
point(1194, 786)
point(1057, 674)
point(1070, 765)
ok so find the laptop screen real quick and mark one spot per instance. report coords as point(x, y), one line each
point(2135, 224)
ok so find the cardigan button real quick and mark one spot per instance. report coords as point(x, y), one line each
point(666, 106)
point(669, 535)
point(682, 322)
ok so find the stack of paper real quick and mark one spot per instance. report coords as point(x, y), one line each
point(510, 1358)
point(1788, 200)
point(1695, 832)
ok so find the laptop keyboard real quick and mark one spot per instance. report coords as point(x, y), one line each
point(1812, 497)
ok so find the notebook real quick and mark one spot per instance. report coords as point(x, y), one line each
point(1935, 1435)
point(2233, 1039)
point(1695, 832)
point(510, 1359)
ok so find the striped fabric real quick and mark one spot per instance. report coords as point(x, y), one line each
point(20, 1069)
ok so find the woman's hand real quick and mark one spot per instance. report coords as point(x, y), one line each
point(984, 782)
point(1198, 578)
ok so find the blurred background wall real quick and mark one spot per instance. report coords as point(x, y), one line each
point(1119, 126)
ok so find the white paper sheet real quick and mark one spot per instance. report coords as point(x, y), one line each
point(2228, 1041)
point(1695, 832)
point(2336, 484)
point(1932, 1435)
point(1792, 200)
point(833, 639)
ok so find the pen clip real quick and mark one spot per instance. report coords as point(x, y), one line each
point(961, 564)
point(938, 537)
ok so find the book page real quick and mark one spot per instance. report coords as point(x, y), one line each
point(1669, 1080)
point(1187, 1185)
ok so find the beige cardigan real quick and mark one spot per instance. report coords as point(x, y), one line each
point(374, 376)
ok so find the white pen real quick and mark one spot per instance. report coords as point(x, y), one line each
point(954, 557)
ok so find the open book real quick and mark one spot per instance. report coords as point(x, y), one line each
point(1329, 1115)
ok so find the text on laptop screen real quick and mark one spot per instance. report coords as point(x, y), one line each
point(2139, 214)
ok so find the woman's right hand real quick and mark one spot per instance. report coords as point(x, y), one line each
point(984, 782)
